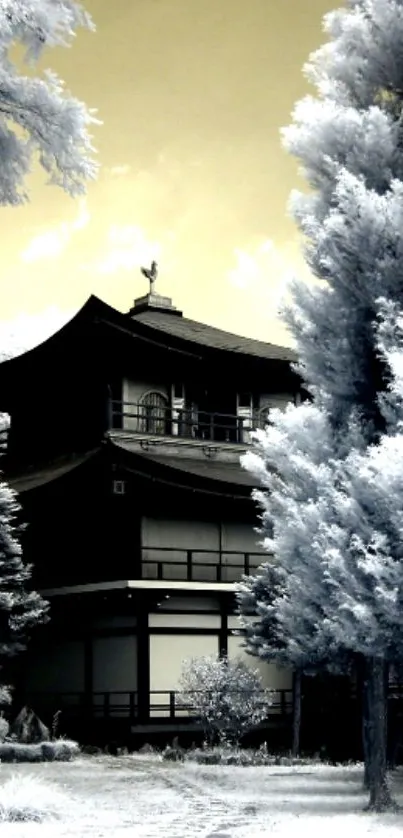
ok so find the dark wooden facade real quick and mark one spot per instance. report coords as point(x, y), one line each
point(124, 446)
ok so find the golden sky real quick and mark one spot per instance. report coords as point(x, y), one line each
point(192, 94)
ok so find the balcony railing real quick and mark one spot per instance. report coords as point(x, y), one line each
point(155, 420)
point(176, 564)
point(163, 704)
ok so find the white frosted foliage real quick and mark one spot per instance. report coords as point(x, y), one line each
point(39, 119)
point(21, 608)
point(331, 471)
point(227, 695)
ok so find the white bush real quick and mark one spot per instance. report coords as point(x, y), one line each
point(227, 695)
point(5, 695)
point(4, 728)
point(61, 750)
point(28, 799)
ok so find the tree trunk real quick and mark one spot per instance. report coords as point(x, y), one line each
point(380, 799)
point(362, 698)
point(365, 735)
point(296, 719)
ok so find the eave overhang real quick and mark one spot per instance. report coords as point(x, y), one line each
point(213, 477)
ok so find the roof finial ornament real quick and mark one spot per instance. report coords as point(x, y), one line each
point(151, 274)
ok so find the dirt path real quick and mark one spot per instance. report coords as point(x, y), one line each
point(212, 815)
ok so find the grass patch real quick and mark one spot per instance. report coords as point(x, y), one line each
point(25, 799)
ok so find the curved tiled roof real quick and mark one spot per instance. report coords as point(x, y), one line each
point(40, 476)
point(202, 334)
point(179, 334)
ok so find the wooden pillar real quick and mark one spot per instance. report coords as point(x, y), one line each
point(88, 672)
point(88, 664)
point(223, 634)
point(138, 536)
point(143, 665)
point(219, 566)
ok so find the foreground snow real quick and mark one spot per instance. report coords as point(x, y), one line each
point(146, 798)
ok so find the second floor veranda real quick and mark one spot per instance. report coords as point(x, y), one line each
point(176, 564)
point(160, 568)
point(163, 420)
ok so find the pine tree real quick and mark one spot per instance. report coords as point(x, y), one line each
point(38, 120)
point(332, 494)
point(20, 607)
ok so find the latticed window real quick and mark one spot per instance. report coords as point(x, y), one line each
point(153, 413)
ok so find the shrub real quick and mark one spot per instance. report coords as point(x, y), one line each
point(92, 750)
point(148, 749)
point(4, 728)
point(222, 755)
point(28, 799)
point(62, 750)
point(5, 695)
point(225, 694)
point(174, 752)
point(5, 700)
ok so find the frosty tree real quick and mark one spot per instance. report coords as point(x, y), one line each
point(332, 471)
point(20, 608)
point(226, 694)
point(38, 120)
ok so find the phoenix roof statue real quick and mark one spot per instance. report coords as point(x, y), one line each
point(151, 274)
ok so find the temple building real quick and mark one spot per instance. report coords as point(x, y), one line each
point(126, 432)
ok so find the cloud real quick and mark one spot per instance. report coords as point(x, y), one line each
point(52, 243)
point(127, 247)
point(120, 171)
point(28, 330)
point(264, 271)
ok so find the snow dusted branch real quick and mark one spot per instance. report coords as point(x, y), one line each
point(332, 472)
point(38, 119)
point(225, 694)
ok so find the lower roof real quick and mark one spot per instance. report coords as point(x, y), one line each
point(225, 479)
point(141, 585)
point(212, 476)
point(211, 469)
point(34, 478)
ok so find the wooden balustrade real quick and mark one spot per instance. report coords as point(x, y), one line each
point(200, 425)
point(201, 565)
point(163, 704)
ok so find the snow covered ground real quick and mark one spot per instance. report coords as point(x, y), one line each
point(142, 797)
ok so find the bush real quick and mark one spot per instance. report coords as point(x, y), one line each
point(5, 695)
point(174, 752)
point(113, 749)
point(4, 728)
point(222, 755)
point(27, 799)
point(62, 750)
point(225, 694)
point(92, 750)
point(148, 749)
